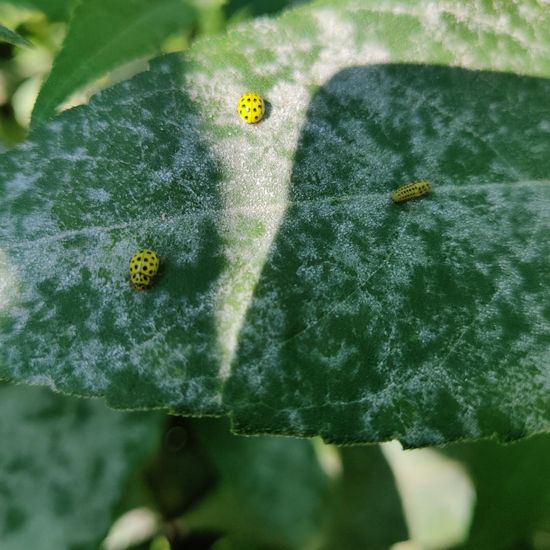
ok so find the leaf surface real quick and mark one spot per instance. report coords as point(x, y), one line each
point(293, 294)
point(63, 466)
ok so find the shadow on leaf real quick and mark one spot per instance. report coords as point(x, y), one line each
point(420, 321)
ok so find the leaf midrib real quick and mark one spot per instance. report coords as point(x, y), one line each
point(251, 209)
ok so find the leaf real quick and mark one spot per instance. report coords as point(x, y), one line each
point(294, 296)
point(513, 490)
point(63, 466)
point(436, 325)
point(102, 35)
point(181, 474)
point(272, 491)
point(55, 9)
point(367, 511)
point(12, 37)
point(240, 9)
point(162, 185)
point(437, 495)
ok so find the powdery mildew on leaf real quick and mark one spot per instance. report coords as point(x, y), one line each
point(86, 193)
point(257, 160)
point(294, 294)
point(65, 467)
point(429, 302)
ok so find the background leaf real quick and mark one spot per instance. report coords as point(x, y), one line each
point(367, 511)
point(56, 10)
point(294, 295)
point(12, 37)
point(513, 491)
point(436, 493)
point(64, 463)
point(104, 34)
point(272, 491)
point(181, 474)
point(242, 9)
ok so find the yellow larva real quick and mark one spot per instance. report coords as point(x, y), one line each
point(411, 191)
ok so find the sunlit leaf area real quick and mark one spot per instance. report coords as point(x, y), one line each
point(274, 275)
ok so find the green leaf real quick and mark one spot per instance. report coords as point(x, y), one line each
point(104, 34)
point(241, 9)
point(512, 490)
point(272, 491)
point(12, 37)
point(64, 463)
point(54, 9)
point(426, 321)
point(181, 474)
point(367, 511)
point(293, 294)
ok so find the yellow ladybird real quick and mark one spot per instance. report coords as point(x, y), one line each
point(251, 107)
point(143, 268)
point(411, 191)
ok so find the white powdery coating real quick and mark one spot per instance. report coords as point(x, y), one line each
point(72, 503)
point(434, 377)
point(257, 159)
point(447, 22)
point(19, 184)
point(253, 167)
point(257, 163)
point(77, 249)
point(9, 283)
point(339, 49)
point(250, 171)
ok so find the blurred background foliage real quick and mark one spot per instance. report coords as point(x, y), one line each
point(208, 489)
point(44, 24)
point(74, 469)
point(205, 488)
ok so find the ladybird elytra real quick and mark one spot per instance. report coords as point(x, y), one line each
point(251, 107)
point(411, 191)
point(144, 266)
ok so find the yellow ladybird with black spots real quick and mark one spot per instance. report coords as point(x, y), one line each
point(251, 107)
point(144, 265)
